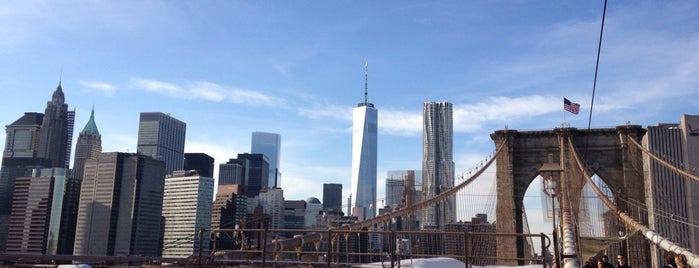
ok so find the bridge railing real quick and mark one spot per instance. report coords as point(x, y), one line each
point(351, 247)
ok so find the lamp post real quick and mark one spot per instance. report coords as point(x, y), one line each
point(549, 171)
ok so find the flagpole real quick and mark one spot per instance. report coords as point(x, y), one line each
point(564, 115)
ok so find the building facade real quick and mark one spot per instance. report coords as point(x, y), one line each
point(120, 207)
point(437, 163)
point(162, 137)
point(269, 144)
point(186, 210)
point(672, 194)
point(364, 157)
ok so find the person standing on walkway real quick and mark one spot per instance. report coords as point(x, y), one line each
point(621, 261)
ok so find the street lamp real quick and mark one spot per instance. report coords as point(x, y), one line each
point(549, 171)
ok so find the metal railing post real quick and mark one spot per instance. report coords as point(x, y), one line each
point(201, 242)
point(467, 249)
point(264, 247)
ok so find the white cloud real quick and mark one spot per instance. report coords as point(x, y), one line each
point(472, 117)
point(208, 91)
point(400, 123)
point(106, 88)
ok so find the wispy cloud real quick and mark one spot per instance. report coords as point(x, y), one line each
point(332, 112)
point(208, 91)
point(470, 118)
point(106, 88)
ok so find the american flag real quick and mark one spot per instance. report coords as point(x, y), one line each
point(571, 106)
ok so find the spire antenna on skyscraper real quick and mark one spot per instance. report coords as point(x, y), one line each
point(366, 81)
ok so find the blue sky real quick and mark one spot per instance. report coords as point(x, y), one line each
point(228, 68)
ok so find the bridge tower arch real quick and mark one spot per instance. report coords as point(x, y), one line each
point(607, 154)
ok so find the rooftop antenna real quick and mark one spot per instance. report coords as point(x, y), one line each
point(366, 80)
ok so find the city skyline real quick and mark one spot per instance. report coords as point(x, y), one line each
point(225, 74)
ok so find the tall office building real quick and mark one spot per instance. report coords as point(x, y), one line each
point(161, 137)
point(437, 163)
point(364, 151)
point(672, 193)
point(313, 213)
point(269, 144)
point(201, 162)
point(39, 222)
point(19, 158)
point(89, 145)
point(229, 209)
point(332, 197)
point(121, 202)
point(186, 210)
point(22, 136)
point(272, 203)
point(57, 130)
point(249, 170)
point(232, 172)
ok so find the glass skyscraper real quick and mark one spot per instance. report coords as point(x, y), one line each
point(437, 163)
point(364, 143)
point(269, 144)
point(161, 137)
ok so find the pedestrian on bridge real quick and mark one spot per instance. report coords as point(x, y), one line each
point(670, 260)
point(681, 261)
point(607, 264)
point(621, 261)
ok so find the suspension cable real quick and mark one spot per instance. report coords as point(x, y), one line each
point(652, 236)
point(663, 162)
point(291, 243)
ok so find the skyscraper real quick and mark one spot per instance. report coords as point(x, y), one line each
point(89, 146)
point(269, 144)
point(34, 141)
point(272, 202)
point(201, 162)
point(19, 157)
point(672, 193)
point(364, 144)
point(437, 163)
point(121, 202)
point(250, 170)
point(186, 210)
point(57, 130)
point(162, 137)
point(23, 135)
point(38, 221)
point(332, 197)
point(229, 209)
